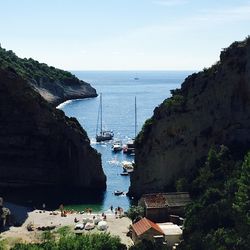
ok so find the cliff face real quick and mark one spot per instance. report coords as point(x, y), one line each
point(60, 90)
point(39, 145)
point(212, 107)
point(54, 85)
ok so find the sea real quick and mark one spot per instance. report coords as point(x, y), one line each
point(119, 89)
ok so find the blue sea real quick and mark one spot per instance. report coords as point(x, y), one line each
point(119, 89)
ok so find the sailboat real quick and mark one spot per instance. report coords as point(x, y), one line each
point(104, 135)
point(130, 146)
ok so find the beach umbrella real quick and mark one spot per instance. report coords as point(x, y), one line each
point(97, 220)
point(79, 226)
point(89, 226)
point(102, 225)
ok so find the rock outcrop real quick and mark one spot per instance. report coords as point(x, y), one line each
point(39, 145)
point(54, 85)
point(212, 107)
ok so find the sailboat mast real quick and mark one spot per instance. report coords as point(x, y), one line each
point(101, 110)
point(135, 117)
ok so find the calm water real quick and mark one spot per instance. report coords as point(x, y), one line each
point(119, 90)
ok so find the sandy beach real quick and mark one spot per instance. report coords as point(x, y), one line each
point(116, 226)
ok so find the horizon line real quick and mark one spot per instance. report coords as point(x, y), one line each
point(195, 70)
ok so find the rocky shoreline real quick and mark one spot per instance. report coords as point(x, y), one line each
point(57, 92)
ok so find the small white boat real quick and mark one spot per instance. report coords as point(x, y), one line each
point(117, 146)
point(129, 148)
point(128, 166)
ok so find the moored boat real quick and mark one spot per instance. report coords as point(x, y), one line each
point(128, 166)
point(117, 146)
point(125, 173)
point(117, 192)
point(129, 148)
point(104, 135)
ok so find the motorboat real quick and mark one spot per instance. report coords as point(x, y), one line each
point(117, 146)
point(128, 166)
point(125, 173)
point(129, 148)
point(117, 192)
point(103, 135)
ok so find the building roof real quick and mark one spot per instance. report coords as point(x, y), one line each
point(170, 229)
point(161, 200)
point(144, 225)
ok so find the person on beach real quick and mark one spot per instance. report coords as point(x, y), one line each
point(61, 209)
point(111, 208)
point(44, 206)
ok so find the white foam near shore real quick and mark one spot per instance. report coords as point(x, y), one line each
point(60, 106)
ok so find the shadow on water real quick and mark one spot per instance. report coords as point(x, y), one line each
point(34, 198)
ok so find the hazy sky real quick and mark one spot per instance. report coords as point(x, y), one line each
point(123, 34)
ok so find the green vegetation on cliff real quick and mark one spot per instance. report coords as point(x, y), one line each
point(219, 216)
point(54, 85)
point(211, 108)
point(31, 69)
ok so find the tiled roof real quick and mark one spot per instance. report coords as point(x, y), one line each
point(144, 225)
point(161, 200)
point(155, 200)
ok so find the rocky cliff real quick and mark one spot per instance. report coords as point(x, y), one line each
point(39, 145)
point(212, 107)
point(54, 85)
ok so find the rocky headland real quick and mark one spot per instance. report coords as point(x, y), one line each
point(39, 145)
point(54, 85)
point(211, 108)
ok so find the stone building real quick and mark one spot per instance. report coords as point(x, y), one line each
point(159, 206)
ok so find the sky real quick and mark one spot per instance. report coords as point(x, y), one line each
point(123, 34)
